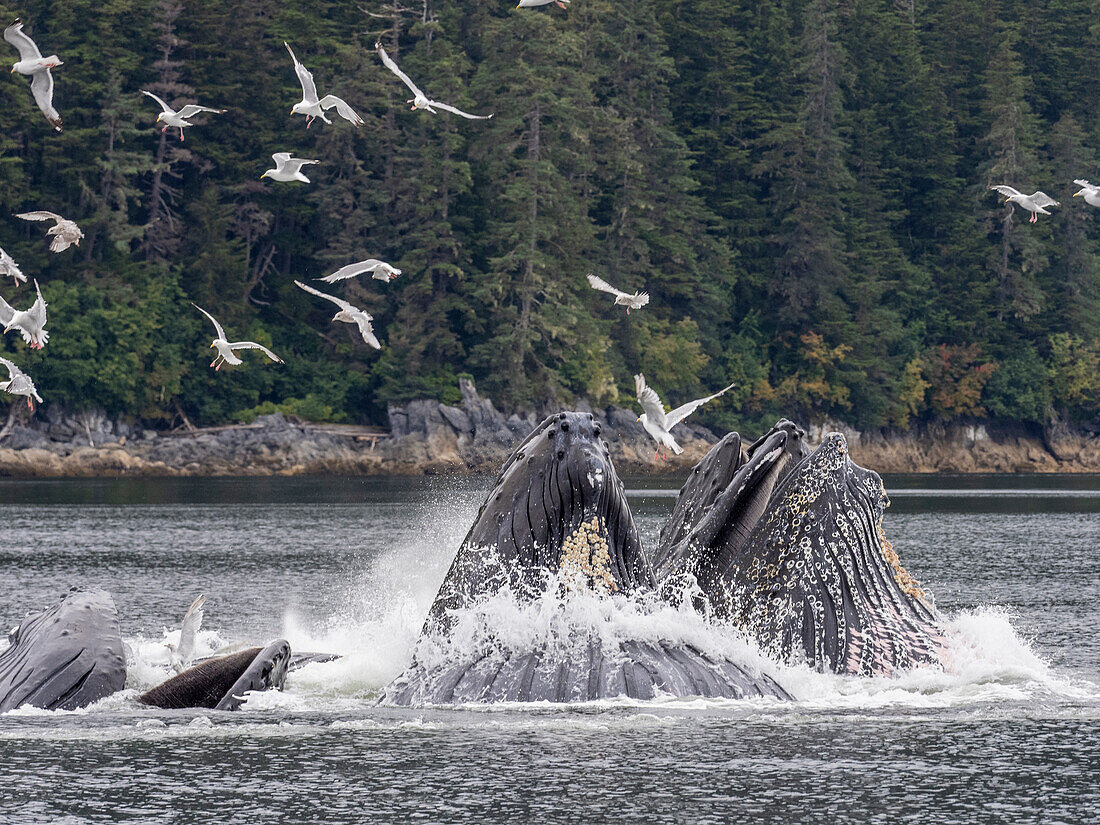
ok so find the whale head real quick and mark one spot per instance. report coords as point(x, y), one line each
point(557, 509)
point(817, 581)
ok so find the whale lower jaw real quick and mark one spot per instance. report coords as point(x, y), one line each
point(637, 670)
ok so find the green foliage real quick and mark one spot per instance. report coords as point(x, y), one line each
point(801, 186)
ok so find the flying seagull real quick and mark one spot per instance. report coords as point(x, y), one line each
point(528, 4)
point(380, 270)
point(657, 422)
point(38, 67)
point(348, 314)
point(419, 99)
point(19, 383)
point(226, 354)
point(182, 653)
point(1034, 203)
point(30, 323)
point(623, 299)
point(179, 120)
point(287, 168)
point(10, 267)
point(310, 106)
point(66, 233)
point(1089, 192)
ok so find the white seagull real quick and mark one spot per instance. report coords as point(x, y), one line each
point(225, 349)
point(287, 168)
point(181, 654)
point(623, 299)
point(38, 67)
point(657, 422)
point(30, 323)
point(348, 314)
point(310, 106)
point(179, 120)
point(66, 233)
point(1034, 203)
point(10, 267)
point(19, 383)
point(419, 99)
point(1089, 192)
point(380, 271)
point(529, 4)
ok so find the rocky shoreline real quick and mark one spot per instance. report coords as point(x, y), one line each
point(427, 437)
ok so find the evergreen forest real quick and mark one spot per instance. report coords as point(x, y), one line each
point(802, 186)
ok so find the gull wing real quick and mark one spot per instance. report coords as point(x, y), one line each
point(217, 327)
point(8, 266)
point(163, 105)
point(28, 50)
point(305, 77)
point(38, 309)
point(682, 412)
point(650, 401)
point(387, 61)
point(1085, 184)
point(260, 347)
point(366, 330)
point(342, 108)
point(295, 164)
point(40, 216)
point(1042, 199)
point(192, 621)
point(13, 370)
point(191, 109)
point(1007, 191)
point(351, 270)
point(458, 112)
point(642, 298)
point(42, 89)
point(599, 283)
point(340, 302)
point(7, 312)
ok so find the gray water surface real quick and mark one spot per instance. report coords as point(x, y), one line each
point(1009, 733)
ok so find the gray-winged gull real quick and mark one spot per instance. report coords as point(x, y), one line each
point(419, 99)
point(1089, 192)
point(180, 119)
point(349, 314)
point(8, 266)
point(1034, 203)
point(623, 299)
point(19, 383)
point(65, 232)
point(657, 422)
point(30, 323)
point(287, 168)
point(310, 105)
point(226, 349)
point(31, 62)
point(379, 270)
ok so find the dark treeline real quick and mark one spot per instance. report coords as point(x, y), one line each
point(801, 185)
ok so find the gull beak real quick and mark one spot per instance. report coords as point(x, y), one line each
point(264, 175)
point(1075, 194)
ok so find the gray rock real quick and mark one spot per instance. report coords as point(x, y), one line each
point(457, 419)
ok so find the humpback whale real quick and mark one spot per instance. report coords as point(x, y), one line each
point(789, 546)
point(557, 523)
point(65, 657)
point(220, 683)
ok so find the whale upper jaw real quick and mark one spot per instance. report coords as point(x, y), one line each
point(817, 581)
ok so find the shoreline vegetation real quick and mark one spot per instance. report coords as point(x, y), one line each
point(426, 437)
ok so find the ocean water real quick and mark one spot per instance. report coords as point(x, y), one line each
point(1009, 731)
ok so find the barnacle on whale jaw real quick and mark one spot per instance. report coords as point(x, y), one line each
point(586, 559)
